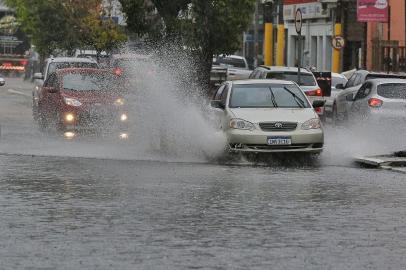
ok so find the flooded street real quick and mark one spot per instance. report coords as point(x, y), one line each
point(97, 205)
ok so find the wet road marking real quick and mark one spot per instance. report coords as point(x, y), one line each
point(12, 91)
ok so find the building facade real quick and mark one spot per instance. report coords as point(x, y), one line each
point(387, 40)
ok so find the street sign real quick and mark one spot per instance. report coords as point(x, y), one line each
point(338, 42)
point(298, 21)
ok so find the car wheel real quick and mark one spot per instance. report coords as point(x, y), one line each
point(34, 110)
point(42, 121)
point(334, 117)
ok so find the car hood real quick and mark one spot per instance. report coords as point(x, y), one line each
point(256, 115)
point(92, 96)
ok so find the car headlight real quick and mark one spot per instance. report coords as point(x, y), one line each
point(313, 123)
point(72, 102)
point(123, 117)
point(119, 102)
point(241, 124)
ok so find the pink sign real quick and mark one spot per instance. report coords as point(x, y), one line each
point(372, 10)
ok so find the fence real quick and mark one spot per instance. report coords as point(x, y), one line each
point(388, 56)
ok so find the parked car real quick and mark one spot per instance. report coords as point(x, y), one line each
point(123, 64)
point(266, 116)
point(380, 100)
point(237, 66)
point(51, 65)
point(336, 79)
point(307, 82)
point(345, 97)
point(80, 100)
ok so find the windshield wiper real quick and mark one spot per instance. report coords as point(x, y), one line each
point(298, 100)
point(273, 98)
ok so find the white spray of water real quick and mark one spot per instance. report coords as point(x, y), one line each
point(169, 117)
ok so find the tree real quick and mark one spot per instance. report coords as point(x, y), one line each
point(67, 25)
point(205, 27)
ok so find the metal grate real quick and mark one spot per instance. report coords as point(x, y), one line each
point(278, 126)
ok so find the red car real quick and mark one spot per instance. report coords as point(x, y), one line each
point(81, 100)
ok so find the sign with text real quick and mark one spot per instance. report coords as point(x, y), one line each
point(372, 10)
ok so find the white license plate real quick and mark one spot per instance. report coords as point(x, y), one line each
point(279, 140)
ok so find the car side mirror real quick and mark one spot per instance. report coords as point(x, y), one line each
point(51, 89)
point(349, 97)
point(340, 86)
point(2, 81)
point(318, 103)
point(217, 104)
point(38, 76)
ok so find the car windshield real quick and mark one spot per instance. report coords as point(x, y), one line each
point(230, 61)
point(89, 81)
point(60, 65)
point(337, 80)
point(392, 90)
point(267, 96)
point(306, 79)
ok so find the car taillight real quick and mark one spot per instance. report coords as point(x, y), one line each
point(375, 102)
point(118, 71)
point(315, 93)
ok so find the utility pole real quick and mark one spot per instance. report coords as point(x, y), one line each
point(268, 32)
point(256, 42)
point(337, 32)
point(280, 51)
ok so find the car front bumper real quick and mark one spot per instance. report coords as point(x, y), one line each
point(310, 141)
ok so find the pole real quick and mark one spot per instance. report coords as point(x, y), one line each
point(280, 57)
point(256, 34)
point(268, 35)
point(299, 56)
point(337, 32)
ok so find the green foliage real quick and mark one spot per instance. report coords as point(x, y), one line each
point(205, 27)
point(66, 25)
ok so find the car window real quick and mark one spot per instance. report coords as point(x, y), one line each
point(254, 74)
point(351, 81)
point(306, 79)
point(392, 90)
point(337, 80)
point(364, 91)
point(89, 81)
point(358, 80)
point(267, 96)
point(217, 95)
point(60, 65)
point(230, 61)
point(50, 82)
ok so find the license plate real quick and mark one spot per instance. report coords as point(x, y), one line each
point(279, 140)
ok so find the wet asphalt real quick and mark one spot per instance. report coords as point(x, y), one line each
point(85, 205)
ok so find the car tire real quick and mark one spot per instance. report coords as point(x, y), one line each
point(34, 110)
point(334, 116)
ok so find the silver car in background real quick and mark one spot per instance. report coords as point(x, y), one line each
point(380, 100)
point(265, 116)
point(330, 109)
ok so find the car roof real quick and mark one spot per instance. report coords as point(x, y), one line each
point(283, 68)
point(230, 56)
point(386, 80)
point(260, 81)
point(131, 56)
point(71, 60)
point(377, 73)
point(338, 75)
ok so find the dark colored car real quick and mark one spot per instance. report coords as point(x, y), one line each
point(80, 100)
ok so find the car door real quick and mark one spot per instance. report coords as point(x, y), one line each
point(343, 99)
point(47, 98)
point(217, 113)
point(359, 105)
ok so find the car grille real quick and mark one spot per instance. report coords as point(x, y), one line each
point(278, 126)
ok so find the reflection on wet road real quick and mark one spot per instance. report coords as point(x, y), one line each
point(65, 213)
